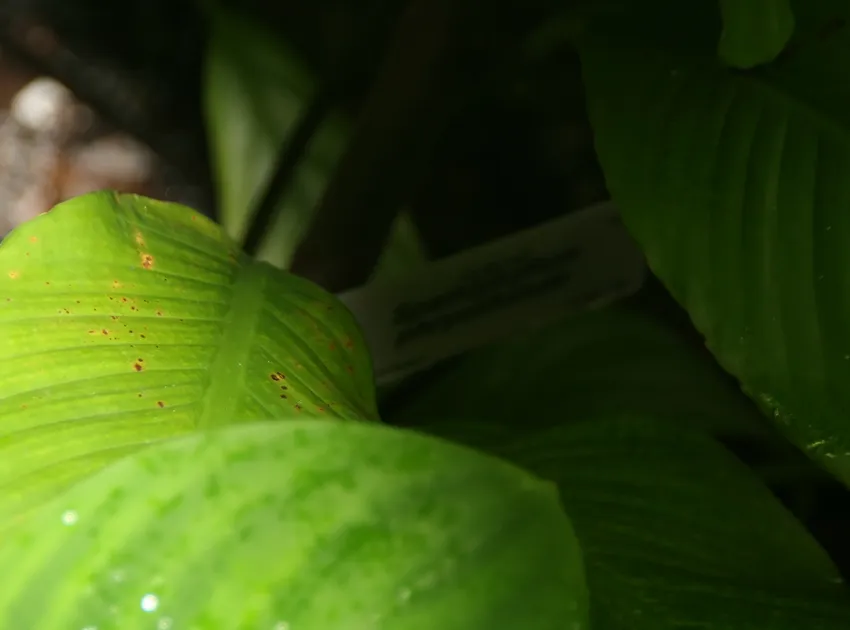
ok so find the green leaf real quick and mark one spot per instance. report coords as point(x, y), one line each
point(735, 185)
point(256, 90)
point(676, 532)
point(754, 31)
point(612, 362)
point(125, 320)
point(300, 525)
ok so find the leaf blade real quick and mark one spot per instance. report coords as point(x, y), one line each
point(125, 321)
point(396, 540)
point(734, 186)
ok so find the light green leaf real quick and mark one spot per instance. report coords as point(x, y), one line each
point(754, 31)
point(676, 532)
point(605, 363)
point(304, 526)
point(125, 320)
point(256, 90)
point(735, 185)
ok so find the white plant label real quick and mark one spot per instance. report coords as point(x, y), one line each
point(580, 261)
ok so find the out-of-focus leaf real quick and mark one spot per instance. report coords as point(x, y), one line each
point(301, 526)
point(754, 31)
point(256, 90)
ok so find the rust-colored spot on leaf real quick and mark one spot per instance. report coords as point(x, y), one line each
point(147, 261)
point(331, 346)
point(14, 275)
point(277, 376)
point(24, 406)
point(33, 239)
point(116, 284)
point(142, 336)
point(297, 407)
point(140, 239)
point(349, 344)
point(349, 369)
point(283, 395)
point(160, 404)
point(159, 313)
point(104, 332)
point(138, 366)
point(114, 316)
point(320, 409)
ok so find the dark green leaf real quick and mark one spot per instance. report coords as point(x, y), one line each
point(735, 184)
point(754, 31)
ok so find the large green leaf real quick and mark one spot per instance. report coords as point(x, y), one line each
point(302, 526)
point(677, 532)
point(256, 90)
point(735, 184)
point(125, 320)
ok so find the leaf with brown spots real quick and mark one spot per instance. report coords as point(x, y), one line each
point(123, 294)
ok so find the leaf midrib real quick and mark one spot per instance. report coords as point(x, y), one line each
point(227, 370)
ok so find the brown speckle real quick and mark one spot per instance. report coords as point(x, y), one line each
point(349, 344)
point(277, 376)
point(47, 282)
point(349, 369)
point(283, 395)
point(160, 404)
point(297, 407)
point(104, 332)
point(331, 346)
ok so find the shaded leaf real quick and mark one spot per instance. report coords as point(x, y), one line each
point(299, 525)
point(256, 90)
point(754, 31)
point(125, 320)
point(676, 532)
point(602, 363)
point(735, 186)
